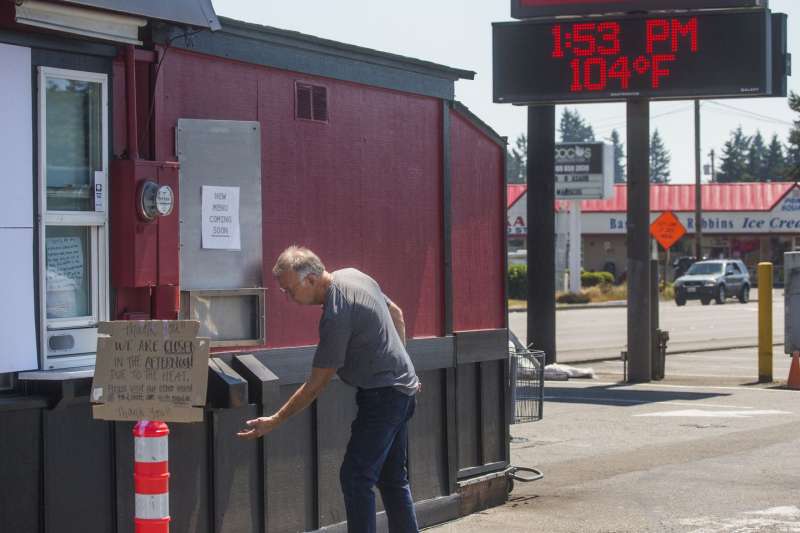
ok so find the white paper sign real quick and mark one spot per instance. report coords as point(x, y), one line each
point(64, 264)
point(221, 218)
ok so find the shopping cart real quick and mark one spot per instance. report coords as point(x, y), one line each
point(526, 370)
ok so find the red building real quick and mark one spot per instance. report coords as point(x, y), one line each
point(364, 156)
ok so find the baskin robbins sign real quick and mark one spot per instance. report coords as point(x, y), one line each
point(783, 218)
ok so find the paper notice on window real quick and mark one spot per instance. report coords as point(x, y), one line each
point(65, 275)
point(65, 263)
point(220, 214)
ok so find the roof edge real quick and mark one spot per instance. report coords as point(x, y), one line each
point(330, 47)
point(463, 110)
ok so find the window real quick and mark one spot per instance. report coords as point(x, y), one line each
point(311, 102)
point(73, 259)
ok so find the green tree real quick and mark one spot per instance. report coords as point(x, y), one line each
point(757, 158)
point(574, 129)
point(774, 164)
point(659, 159)
point(793, 150)
point(734, 158)
point(619, 157)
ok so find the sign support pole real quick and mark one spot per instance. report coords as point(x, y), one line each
point(698, 196)
point(575, 246)
point(541, 229)
point(639, 341)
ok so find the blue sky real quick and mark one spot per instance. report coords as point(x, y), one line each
point(457, 33)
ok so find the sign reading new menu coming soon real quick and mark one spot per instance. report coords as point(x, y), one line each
point(150, 370)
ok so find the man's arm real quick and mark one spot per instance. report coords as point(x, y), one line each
point(397, 317)
point(302, 398)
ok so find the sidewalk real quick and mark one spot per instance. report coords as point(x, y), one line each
point(624, 303)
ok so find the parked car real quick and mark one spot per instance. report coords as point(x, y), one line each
point(717, 280)
point(681, 264)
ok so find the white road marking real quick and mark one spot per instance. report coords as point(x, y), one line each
point(786, 519)
point(699, 413)
point(666, 386)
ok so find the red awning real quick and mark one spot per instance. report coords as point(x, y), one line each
point(716, 197)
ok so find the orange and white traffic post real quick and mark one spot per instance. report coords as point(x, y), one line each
point(151, 476)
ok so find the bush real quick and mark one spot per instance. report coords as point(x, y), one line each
point(518, 282)
point(592, 279)
point(573, 298)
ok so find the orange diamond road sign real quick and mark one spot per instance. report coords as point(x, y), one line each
point(667, 229)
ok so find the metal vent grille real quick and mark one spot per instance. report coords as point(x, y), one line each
point(311, 102)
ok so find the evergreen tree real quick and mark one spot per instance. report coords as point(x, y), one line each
point(757, 159)
point(774, 164)
point(659, 160)
point(619, 158)
point(574, 129)
point(793, 150)
point(734, 158)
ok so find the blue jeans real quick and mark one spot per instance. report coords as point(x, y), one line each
point(377, 455)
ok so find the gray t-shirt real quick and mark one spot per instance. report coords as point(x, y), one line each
point(358, 338)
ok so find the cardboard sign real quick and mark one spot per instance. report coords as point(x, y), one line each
point(667, 229)
point(150, 370)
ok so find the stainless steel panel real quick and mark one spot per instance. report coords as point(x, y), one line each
point(228, 154)
point(228, 318)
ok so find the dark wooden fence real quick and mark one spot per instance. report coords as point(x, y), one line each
point(62, 471)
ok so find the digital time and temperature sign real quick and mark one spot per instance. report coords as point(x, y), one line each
point(553, 8)
point(711, 54)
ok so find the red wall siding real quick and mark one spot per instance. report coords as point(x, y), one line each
point(363, 190)
point(478, 228)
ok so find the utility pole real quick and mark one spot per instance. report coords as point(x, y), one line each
point(698, 196)
point(713, 167)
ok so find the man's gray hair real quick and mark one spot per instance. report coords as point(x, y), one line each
point(301, 260)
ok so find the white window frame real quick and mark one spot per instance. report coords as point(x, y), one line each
point(83, 329)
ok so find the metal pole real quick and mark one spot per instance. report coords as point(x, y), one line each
point(541, 229)
point(639, 345)
point(698, 197)
point(575, 246)
point(765, 322)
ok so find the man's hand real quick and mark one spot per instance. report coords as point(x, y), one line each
point(258, 427)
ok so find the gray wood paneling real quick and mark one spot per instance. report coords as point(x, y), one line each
point(291, 472)
point(427, 439)
point(237, 475)
point(21, 456)
point(77, 453)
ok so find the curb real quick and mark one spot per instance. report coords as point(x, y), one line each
point(570, 307)
point(676, 352)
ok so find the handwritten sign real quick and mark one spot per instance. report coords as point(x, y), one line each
point(150, 370)
point(667, 229)
point(220, 214)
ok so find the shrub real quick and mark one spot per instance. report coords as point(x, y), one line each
point(573, 298)
point(591, 279)
point(518, 282)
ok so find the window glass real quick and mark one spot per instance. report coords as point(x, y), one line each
point(74, 143)
point(68, 278)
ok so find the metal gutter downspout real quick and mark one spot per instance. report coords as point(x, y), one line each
point(130, 93)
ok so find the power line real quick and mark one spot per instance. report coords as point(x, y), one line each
point(752, 114)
